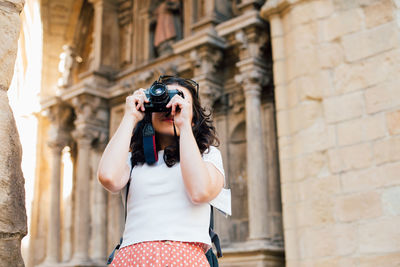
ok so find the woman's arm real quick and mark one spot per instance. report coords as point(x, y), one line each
point(113, 172)
point(202, 180)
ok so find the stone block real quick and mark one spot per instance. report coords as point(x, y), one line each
point(291, 246)
point(317, 188)
point(343, 107)
point(350, 132)
point(354, 207)
point(393, 122)
point(361, 129)
point(280, 97)
point(346, 239)
point(329, 262)
point(378, 13)
point(367, 43)
point(374, 127)
point(287, 23)
point(288, 194)
point(361, 180)
point(317, 137)
point(302, 13)
point(303, 36)
point(286, 170)
point(289, 216)
point(283, 123)
point(279, 72)
point(389, 174)
point(379, 236)
point(322, 9)
point(285, 150)
point(302, 62)
point(344, 4)
point(318, 242)
point(387, 150)
point(292, 94)
point(307, 90)
point(350, 157)
point(391, 200)
point(382, 97)
point(330, 54)
point(308, 165)
point(315, 212)
point(278, 51)
point(385, 259)
point(305, 115)
point(358, 75)
point(340, 24)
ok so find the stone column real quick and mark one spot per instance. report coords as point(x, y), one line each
point(53, 235)
point(84, 138)
point(60, 116)
point(91, 119)
point(99, 206)
point(12, 194)
point(253, 76)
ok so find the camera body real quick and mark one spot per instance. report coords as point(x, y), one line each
point(159, 96)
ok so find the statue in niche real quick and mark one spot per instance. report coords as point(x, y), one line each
point(67, 60)
point(168, 27)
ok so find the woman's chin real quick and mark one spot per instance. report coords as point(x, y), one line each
point(168, 132)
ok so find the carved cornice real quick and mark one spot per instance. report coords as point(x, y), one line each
point(209, 37)
point(253, 76)
point(61, 118)
point(249, 19)
point(91, 124)
point(272, 7)
point(91, 110)
point(252, 42)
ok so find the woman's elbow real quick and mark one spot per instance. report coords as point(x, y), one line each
point(199, 198)
point(108, 183)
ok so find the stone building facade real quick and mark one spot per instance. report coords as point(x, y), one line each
point(304, 97)
point(105, 50)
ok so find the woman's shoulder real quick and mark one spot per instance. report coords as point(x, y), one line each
point(211, 149)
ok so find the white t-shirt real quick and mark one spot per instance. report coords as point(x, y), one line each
point(159, 207)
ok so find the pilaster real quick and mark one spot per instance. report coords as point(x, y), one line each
point(61, 118)
point(90, 125)
point(253, 76)
point(105, 37)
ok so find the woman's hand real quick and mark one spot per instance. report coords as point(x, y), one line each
point(134, 105)
point(181, 110)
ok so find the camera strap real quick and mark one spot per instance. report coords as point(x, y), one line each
point(149, 143)
point(176, 136)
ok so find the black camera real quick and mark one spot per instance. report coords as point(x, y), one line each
point(159, 96)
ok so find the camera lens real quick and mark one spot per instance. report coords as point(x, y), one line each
point(158, 93)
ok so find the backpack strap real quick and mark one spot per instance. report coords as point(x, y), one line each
point(111, 257)
point(214, 237)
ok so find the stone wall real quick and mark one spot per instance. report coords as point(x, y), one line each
point(336, 74)
point(12, 195)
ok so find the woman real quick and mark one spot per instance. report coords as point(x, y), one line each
point(168, 211)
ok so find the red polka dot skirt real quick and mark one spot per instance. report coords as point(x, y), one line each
point(161, 254)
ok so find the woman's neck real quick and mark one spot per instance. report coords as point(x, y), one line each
point(163, 141)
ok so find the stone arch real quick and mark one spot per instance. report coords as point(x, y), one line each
point(238, 182)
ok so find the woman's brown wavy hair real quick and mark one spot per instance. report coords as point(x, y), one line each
point(203, 129)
